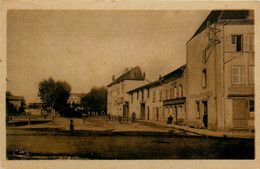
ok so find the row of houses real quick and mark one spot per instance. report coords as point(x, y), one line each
point(214, 90)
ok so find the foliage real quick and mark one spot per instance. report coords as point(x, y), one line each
point(95, 100)
point(54, 94)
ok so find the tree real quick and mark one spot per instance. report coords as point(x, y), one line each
point(95, 100)
point(54, 94)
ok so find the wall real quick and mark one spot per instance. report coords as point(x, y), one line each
point(117, 95)
point(196, 91)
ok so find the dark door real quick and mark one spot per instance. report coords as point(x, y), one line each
point(148, 113)
point(126, 110)
point(157, 114)
point(239, 43)
point(142, 111)
point(205, 113)
point(240, 113)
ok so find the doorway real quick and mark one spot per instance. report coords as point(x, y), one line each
point(240, 113)
point(148, 116)
point(142, 111)
point(205, 113)
point(157, 114)
point(126, 110)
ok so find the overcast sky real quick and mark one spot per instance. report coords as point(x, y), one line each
point(85, 48)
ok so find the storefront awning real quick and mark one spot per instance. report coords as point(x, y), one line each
point(174, 101)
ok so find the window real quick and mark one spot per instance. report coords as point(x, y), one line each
point(237, 40)
point(197, 109)
point(251, 75)
point(166, 94)
point(122, 88)
point(175, 92)
point(142, 95)
point(178, 91)
point(181, 90)
point(137, 95)
point(251, 105)
point(204, 78)
point(163, 111)
point(154, 96)
point(131, 98)
point(160, 95)
point(248, 45)
point(171, 93)
point(237, 75)
point(148, 93)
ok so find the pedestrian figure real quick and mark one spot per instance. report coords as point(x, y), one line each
point(205, 119)
point(71, 126)
point(133, 117)
point(170, 119)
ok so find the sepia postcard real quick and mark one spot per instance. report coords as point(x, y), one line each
point(120, 84)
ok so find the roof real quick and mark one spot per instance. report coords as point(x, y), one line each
point(217, 15)
point(177, 73)
point(77, 95)
point(127, 76)
point(14, 97)
point(149, 85)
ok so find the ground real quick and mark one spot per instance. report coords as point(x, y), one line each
point(98, 138)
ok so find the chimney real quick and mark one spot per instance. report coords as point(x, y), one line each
point(160, 76)
point(144, 75)
point(113, 78)
point(126, 70)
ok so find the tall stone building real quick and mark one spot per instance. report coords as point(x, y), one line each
point(117, 97)
point(220, 71)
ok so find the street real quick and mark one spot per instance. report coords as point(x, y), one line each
point(112, 140)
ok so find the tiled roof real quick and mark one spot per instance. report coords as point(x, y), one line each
point(177, 73)
point(216, 15)
point(14, 97)
point(127, 76)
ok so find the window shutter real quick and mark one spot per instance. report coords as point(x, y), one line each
point(235, 75)
point(246, 43)
point(242, 76)
point(227, 43)
point(251, 75)
point(251, 43)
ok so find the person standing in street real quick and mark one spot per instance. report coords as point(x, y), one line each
point(133, 117)
point(71, 127)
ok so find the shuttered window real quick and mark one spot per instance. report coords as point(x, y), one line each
point(238, 75)
point(248, 45)
point(251, 74)
point(171, 93)
point(197, 109)
point(160, 95)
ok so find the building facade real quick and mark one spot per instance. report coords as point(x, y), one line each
point(145, 101)
point(16, 101)
point(220, 72)
point(158, 100)
point(174, 95)
point(117, 97)
point(75, 98)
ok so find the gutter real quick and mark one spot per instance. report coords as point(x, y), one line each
point(223, 75)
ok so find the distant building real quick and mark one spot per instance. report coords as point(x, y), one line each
point(158, 100)
point(174, 95)
point(75, 98)
point(220, 71)
point(16, 101)
point(117, 97)
point(144, 101)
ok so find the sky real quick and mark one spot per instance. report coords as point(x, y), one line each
point(86, 47)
